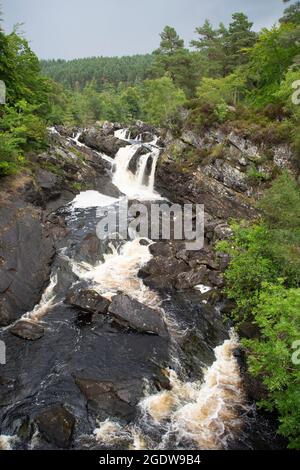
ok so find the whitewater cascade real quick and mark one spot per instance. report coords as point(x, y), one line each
point(138, 185)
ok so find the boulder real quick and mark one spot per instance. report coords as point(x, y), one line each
point(216, 279)
point(56, 425)
point(27, 330)
point(131, 313)
point(108, 399)
point(133, 164)
point(98, 140)
point(222, 232)
point(163, 265)
point(88, 300)
point(191, 278)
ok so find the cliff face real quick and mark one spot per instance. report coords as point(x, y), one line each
point(225, 171)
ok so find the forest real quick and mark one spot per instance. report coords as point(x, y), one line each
point(229, 77)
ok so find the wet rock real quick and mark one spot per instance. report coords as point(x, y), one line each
point(47, 181)
point(163, 265)
point(200, 259)
point(27, 252)
point(160, 282)
point(56, 425)
point(181, 186)
point(192, 278)
point(133, 164)
point(131, 313)
point(88, 300)
point(110, 399)
point(161, 249)
point(216, 279)
point(90, 248)
point(146, 130)
point(109, 127)
point(27, 330)
point(144, 242)
point(98, 140)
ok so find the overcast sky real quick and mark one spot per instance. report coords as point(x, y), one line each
point(81, 28)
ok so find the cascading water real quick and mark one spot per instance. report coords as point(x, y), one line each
point(204, 414)
point(135, 186)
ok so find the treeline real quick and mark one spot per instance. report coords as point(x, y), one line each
point(102, 71)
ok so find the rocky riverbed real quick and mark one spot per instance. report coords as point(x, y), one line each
point(107, 343)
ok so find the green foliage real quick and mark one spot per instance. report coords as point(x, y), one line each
point(238, 39)
point(23, 118)
point(277, 314)
point(270, 59)
point(210, 45)
point(78, 73)
point(263, 279)
point(161, 100)
point(255, 176)
point(178, 62)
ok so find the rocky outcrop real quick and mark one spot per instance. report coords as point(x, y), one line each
point(27, 330)
point(56, 424)
point(88, 300)
point(132, 314)
point(108, 399)
point(100, 141)
point(26, 253)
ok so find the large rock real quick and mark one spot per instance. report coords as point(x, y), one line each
point(110, 399)
point(26, 254)
point(191, 278)
point(56, 424)
point(27, 330)
point(88, 300)
point(227, 174)
point(98, 140)
point(131, 313)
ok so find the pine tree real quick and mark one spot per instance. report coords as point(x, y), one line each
point(173, 58)
point(210, 45)
point(238, 39)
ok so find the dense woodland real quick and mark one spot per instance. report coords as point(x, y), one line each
point(230, 76)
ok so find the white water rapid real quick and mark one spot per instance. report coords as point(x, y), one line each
point(139, 185)
point(205, 414)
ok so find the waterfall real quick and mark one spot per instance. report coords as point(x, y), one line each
point(45, 304)
point(141, 171)
point(206, 413)
point(122, 134)
point(120, 268)
point(76, 139)
point(6, 442)
point(135, 185)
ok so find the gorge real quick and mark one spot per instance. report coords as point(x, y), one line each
point(123, 344)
